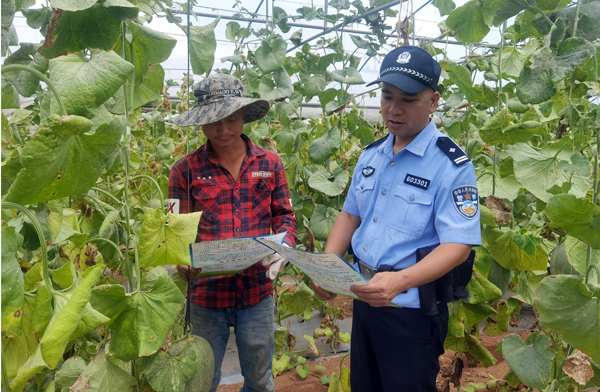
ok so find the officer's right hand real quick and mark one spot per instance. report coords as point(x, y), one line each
point(184, 271)
point(322, 294)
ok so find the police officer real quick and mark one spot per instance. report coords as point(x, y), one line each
point(412, 190)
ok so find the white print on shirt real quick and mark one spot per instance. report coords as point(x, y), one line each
point(262, 174)
point(172, 206)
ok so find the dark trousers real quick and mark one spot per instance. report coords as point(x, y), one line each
point(396, 349)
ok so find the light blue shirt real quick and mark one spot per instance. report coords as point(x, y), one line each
point(414, 199)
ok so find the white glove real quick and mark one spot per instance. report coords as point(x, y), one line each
point(274, 262)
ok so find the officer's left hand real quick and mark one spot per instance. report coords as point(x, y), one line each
point(380, 290)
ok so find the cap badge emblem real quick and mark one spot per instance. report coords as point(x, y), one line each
point(368, 171)
point(404, 58)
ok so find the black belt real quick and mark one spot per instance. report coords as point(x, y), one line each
point(369, 272)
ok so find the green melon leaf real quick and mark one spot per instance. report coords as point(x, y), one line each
point(347, 75)
point(58, 334)
point(61, 160)
point(579, 218)
point(535, 85)
point(73, 5)
point(503, 248)
point(8, 13)
point(539, 171)
point(110, 300)
point(327, 183)
point(270, 55)
point(312, 85)
point(531, 361)
point(461, 76)
point(567, 307)
point(509, 8)
point(470, 22)
point(300, 300)
point(145, 91)
point(576, 253)
point(85, 84)
point(472, 345)
point(13, 285)
point(444, 6)
point(74, 31)
point(149, 47)
point(464, 315)
point(321, 221)
point(25, 82)
point(142, 326)
point(170, 371)
point(203, 45)
point(285, 140)
point(162, 243)
point(276, 86)
point(69, 372)
point(527, 284)
point(10, 96)
point(480, 290)
point(17, 349)
point(103, 375)
point(321, 149)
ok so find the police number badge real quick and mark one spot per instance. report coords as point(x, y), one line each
point(466, 201)
point(368, 171)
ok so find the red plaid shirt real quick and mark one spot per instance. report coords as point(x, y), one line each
point(253, 205)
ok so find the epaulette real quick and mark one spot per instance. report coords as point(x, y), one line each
point(376, 142)
point(452, 150)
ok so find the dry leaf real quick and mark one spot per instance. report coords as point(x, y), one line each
point(578, 367)
point(502, 211)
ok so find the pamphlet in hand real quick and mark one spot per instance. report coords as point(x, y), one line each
point(228, 257)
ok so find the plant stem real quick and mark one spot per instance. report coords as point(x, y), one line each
point(160, 194)
point(102, 239)
point(110, 196)
point(138, 281)
point(494, 170)
point(500, 66)
point(342, 363)
point(17, 67)
point(576, 19)
point(41, 237)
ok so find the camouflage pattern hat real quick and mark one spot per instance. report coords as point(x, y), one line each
point(219, 96)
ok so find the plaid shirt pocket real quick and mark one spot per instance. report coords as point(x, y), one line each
point(261, 197)
point(208, 200)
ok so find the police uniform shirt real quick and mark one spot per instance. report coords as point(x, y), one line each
point(417, 198)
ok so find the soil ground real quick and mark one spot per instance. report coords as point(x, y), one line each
point(290, 381)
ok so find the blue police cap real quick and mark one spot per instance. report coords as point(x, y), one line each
point(409, 68)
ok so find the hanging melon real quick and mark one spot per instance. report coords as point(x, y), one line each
point(202, 379)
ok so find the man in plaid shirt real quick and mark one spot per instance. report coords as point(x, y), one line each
point(241, 190)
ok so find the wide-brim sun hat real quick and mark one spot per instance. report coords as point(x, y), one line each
point(219, 96)
point(409, 68)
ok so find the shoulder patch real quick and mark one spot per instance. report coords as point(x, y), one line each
point(376, 142)
point(452, 150)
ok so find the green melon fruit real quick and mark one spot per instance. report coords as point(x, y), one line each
point(202, 379)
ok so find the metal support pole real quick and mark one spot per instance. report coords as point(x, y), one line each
point(349, 21)
point(325, 8)
point(317, 27)
point(267, 12)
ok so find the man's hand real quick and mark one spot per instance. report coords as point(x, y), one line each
point(380, 290)
point(274, 262)
point(184, 271)
point(322, 294)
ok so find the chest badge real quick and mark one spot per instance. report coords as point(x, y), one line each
point(368, 171)
point(419, 182)
point(466, 201)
